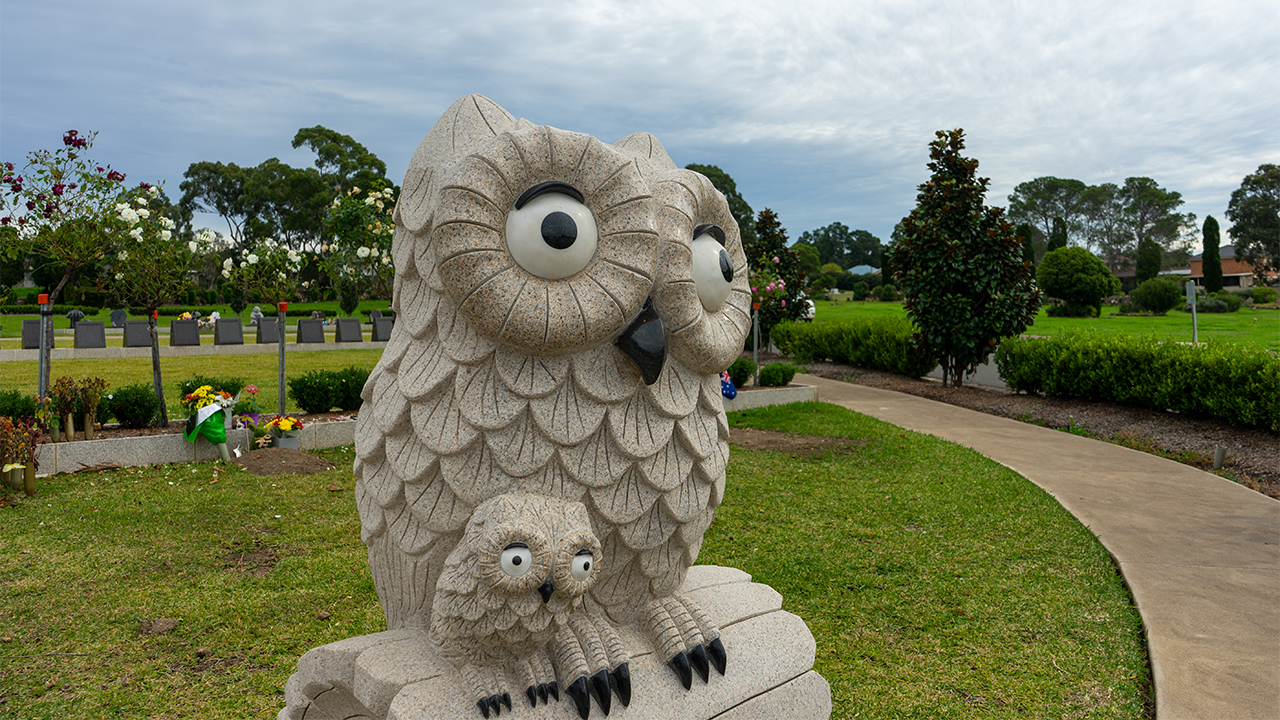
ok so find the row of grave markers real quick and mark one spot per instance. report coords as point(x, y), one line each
point(229, 331)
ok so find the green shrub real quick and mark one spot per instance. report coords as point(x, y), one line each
point(14, 404)
point(1158, 295)
point(230, 385)
point(1077, 277)
point(881, 343)
point(316, 391)
point(777, 374)
point(859, 290)
point(887, 293)
point(134, 406)
point(1233, 301)
point(348, 382)
point(1235, 383)
point(1070, 310)
point(742, 369)
point(1263, 295)
point(1219, 302)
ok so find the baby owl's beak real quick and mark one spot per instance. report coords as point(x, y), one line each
point(545, 589)
point(645, 342)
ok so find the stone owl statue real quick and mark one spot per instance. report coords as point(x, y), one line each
point(563, 311)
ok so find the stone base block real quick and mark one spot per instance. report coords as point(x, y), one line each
point(398, 675)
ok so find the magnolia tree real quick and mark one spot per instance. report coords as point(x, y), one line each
point(63, 207)
point(152, 266)
point(357, 257)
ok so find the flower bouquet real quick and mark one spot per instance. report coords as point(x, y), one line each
point(283, 431)
point(18, 438)
point(207, 416)
point(247, 410)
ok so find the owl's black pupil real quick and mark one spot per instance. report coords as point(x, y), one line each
point(517, 560)
point(586, 566)
point(726, 266)
point(559, 230)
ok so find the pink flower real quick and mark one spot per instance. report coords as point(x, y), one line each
point(784, 303)
point(754, 290)
point(251, 389)
point(775, 259)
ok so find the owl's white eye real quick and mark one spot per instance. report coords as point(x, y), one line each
point(580, 567)
point(712, 268)
point(516, 559)
point(550, 232)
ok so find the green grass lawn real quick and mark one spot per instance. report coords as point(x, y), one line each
point(936, 582)
point(1260, 327)
point(260, 369)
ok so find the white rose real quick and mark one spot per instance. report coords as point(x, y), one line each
point(386, 259)
point(129, 216)
point(283, 276)
point(153, 190)
point(191, 245)
point(136, 233)
point(143, 212)
point(226, 273)
point(253, 259)
point(226, 264)
point(165, 235)
point(354, 190)
point(119, 276)
point(124, 255)
point(243, 263)
point(362, 252)
point(369, 200)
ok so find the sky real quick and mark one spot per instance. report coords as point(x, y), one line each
point(822, 111)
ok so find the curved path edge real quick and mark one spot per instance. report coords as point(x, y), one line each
point(1200, 554)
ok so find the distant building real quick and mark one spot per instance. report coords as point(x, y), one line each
point(1235, 273)
point(863, 270)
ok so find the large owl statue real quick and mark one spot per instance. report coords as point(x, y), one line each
point(563, 311)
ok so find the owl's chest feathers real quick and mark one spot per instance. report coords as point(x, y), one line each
point(500, 635)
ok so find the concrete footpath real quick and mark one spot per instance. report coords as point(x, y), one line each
point(1200, 553)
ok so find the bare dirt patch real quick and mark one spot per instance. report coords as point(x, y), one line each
point(159, 626)
point(806, 446)
point(257, 562)
point(281, 461)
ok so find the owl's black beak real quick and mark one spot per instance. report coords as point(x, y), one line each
point(545, 589)
point(645, 342)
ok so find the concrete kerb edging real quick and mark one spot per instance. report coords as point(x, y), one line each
point(72, 457)
point(761, 397)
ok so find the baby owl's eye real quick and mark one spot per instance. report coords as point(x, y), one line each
point(516, 559)
point(550, 232)
point(712, 268)
point(580, 567)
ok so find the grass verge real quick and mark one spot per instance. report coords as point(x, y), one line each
point(936, 582)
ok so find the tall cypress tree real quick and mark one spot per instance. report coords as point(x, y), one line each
point(1058, 239)
point(1212, 258)
point(1026, 232)
point(1149, 257)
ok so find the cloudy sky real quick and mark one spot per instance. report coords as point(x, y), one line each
point(822, 111)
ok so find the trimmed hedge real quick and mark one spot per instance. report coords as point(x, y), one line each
point(320, 390)
point(1236, 383)
point(741, 371)
point(34, 309)
point(777, 374)
point(881, 343)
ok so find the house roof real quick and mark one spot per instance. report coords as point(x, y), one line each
point(1225, 252)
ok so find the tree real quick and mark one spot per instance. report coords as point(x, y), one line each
point(151, 266)
point(738, 206)
point(357, 258)
point(960, 264)
point(1027, 234)
point(1254, 212)
point(837, 244)
point(776, 280)
point(214, 187)
point(1078, 278)
point(810, 261)
point(343, 162)
point(293, 202)
point(1058, 238)
point(1104, 228)
point(1039, 202)
point(63, 207)
point(1148, 265)
point(1211, 259)
point(1150, 214)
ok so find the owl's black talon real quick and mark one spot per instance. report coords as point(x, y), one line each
point(698, 659)
point(495, 704)
point(600, 685)
point(483, 704)
point(553, 689)
point(680, 663)
point(621, 684)
point(578, 691)
point(506, 700)
point(532, 694)
point(715, 650)
point(542, 693)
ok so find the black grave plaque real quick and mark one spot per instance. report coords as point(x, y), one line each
point(184, 332)
point(310, 331)
point(91, 334)
point(349, 330)
point(119, 318)
point(136, 333)
point(382, 329)
point(268, 330)
point(31, 335)
point(228, 331)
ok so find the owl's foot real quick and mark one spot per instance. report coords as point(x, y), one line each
point(486, 685)
point(539, 678)
point(589, 651)
point(684, 635)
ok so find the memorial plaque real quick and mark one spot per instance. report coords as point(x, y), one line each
point(91, 334)
point(31, 335)
point(184, 332)
point(349, 330)
point(228, 331)
point(268, 330)
point(374, 316)
point(310, 331)
point(382, 329)
point(136, 333)
point(119, 318)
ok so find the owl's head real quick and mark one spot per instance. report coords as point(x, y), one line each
point(553, 242)
point(532, 543)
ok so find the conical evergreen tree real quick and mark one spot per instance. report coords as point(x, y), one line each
point(1212, 257)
